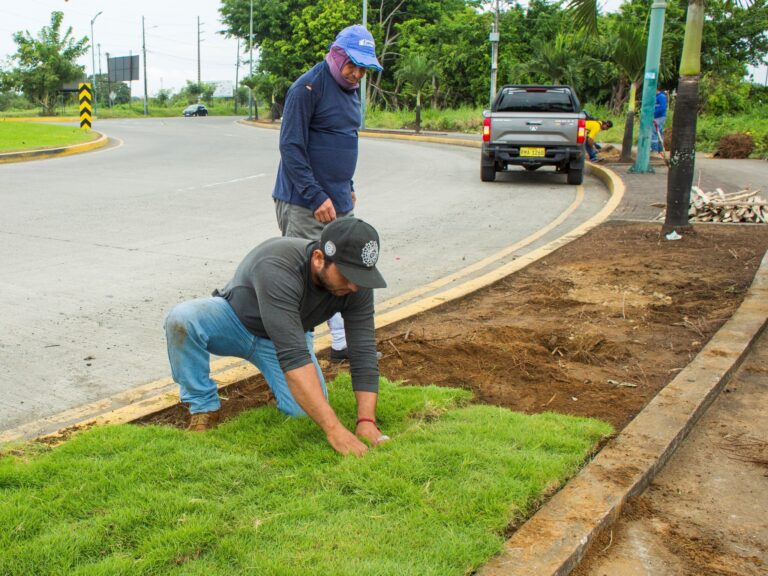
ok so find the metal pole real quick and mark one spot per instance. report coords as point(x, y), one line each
point(494, 38)
point(237, 74)
point(109, 84)
point(144, 49)
point(198, 50)
point(250, 66)
point(650, 82)
point(93, 64)
point(363, 81)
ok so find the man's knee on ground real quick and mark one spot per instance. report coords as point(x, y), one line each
point(178, 323)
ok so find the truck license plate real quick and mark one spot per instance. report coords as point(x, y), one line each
point(532, 152)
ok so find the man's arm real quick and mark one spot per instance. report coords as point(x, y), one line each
point(294, 139)
point(305, 387)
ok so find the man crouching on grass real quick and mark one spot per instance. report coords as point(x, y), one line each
point(266, 313)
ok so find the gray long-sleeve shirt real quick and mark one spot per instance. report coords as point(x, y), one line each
point(273, 296)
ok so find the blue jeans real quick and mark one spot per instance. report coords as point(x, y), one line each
point(655, 143)
point(198, 328)
point(590, 151)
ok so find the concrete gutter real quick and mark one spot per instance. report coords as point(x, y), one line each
point(558, 536)
point(42, 153)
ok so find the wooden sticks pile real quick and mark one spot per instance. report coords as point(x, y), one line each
point(742, 206)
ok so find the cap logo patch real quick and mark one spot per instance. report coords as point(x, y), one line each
point(366, 42)
point(370, 253)
point(330, 248)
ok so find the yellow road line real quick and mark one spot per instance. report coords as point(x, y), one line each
point(440, 282)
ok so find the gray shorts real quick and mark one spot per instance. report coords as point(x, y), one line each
point(299, 222)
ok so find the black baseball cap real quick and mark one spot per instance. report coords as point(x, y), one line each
point(353, 245)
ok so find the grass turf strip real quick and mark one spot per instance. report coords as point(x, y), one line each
point(263, 494)
point(20, 136)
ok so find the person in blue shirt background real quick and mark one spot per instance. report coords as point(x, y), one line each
point(659, 119)
point(318, 146)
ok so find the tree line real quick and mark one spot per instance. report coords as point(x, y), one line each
point(447, 41)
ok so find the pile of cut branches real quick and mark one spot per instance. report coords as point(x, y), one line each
point(744, 206)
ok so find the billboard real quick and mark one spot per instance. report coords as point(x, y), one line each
point(123, 68)
point(224, 89)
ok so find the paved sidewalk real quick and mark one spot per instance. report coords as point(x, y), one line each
point(643, 190)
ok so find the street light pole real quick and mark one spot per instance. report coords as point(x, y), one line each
point(93, 63)
point(250, 66)
point(144, 49)
point(650, 82)
point(494, 39)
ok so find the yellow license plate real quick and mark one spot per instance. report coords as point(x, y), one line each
point(533, 152)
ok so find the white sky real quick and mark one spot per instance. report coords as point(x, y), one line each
point(171, 36)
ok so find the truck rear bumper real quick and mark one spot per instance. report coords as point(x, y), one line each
point(556, 155)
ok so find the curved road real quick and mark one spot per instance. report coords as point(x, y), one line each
point(96, 248)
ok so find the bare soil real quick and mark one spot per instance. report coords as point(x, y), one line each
point(595, 329)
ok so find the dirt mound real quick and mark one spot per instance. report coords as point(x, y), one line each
point(737, 145)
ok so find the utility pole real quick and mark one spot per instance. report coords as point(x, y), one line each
point(363, 82)
point(109, 84)
point(250, 66)
point(494, 39)
point(650, 82)
point(144, 50)
point(93, 64)
point(237, 73)
point(198, 50)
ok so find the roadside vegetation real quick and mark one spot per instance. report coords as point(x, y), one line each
point(436, 58)
point(20, 136)
point(263, 494)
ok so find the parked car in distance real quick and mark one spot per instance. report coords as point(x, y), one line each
point(195, 110)
point(534, 126)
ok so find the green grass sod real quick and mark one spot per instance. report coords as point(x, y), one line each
point(19, 136)
point(264, 494)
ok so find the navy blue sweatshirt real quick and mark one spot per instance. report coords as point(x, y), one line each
point(318, 142)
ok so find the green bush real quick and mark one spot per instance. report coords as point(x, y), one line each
point(721, 95)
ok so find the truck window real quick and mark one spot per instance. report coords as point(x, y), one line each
point(535, 101)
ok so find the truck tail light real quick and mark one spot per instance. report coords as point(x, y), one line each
point(486, 129)
point(581, 135)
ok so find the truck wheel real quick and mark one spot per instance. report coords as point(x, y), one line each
point(575, 176)
point(487, 172)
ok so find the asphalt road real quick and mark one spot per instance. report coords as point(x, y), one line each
point(96, 248)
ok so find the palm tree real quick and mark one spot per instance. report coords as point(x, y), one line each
point(416, 70)
point(683, 153)
point(629, 57)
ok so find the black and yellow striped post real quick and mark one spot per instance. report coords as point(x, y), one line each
point(85, 95)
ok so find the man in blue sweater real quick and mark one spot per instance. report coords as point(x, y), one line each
point(318, 146)
point(659, 119)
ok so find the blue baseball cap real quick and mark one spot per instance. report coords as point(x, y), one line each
point(358, 43)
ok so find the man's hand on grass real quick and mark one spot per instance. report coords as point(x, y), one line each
point(344, 442)
point(369, 431)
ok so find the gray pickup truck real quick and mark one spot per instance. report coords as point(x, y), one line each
point(534, 126)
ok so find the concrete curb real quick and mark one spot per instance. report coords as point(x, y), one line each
point(558, 536)
point(43, 153)
point(388, 135)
